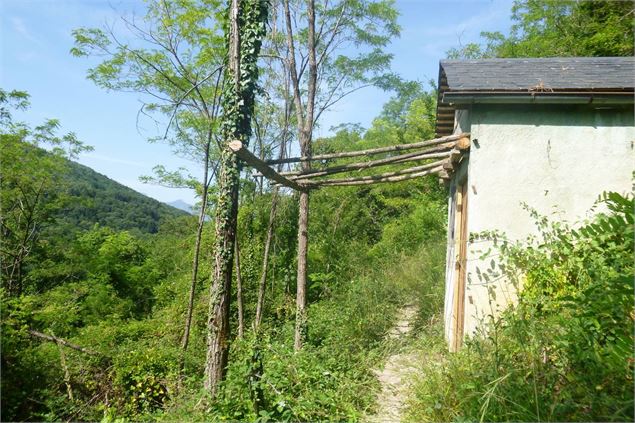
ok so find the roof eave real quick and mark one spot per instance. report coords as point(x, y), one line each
point(546, 97)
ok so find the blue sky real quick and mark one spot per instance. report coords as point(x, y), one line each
point(35, 39)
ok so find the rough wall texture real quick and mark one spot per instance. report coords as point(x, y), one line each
point(557, 159)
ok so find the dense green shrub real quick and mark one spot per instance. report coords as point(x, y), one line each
point(565, 351)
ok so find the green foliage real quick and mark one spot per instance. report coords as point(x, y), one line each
point(560, 28)
point(123, 293)
point(29, 193)
point(565, 351)
point(330, 379)
point(369, 25)
point(104, 302)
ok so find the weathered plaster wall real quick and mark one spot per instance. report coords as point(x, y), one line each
point(555, 158)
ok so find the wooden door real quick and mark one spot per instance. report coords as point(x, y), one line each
point(460, 248)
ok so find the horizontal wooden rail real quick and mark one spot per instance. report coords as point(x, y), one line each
point(395, 176)
point(253, 161)
point(434, 153)
point(457, 138)
point(383, 180)
point(425, 156)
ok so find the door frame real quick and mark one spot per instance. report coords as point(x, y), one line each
point(460, 263)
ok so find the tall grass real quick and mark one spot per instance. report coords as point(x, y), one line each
point(331, 378)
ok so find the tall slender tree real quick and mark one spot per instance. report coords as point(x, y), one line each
point(245, 31)
point(315, 37)
point(173, 58)
point(273, 130)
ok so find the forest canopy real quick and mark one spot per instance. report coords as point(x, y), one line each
point(559, 28)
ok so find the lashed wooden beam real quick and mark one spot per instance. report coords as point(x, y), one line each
point(443, 153)
point(374, 179)
point(463, 143)
point(253, 161)
point(296, 174)
point(455, 155)
point(379, 150)
point(314, 173)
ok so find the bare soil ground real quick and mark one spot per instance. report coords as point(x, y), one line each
point(394, 376)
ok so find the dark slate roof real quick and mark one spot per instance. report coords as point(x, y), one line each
point(558, 73)
point(515, 79)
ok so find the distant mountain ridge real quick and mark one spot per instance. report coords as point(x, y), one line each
point(182, 205)
point(95, 198)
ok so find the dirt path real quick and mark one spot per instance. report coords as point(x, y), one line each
point(394, 374)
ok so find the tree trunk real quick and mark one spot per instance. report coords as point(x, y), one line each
point(246, 30)
point(61, 341)
point(239, 293)
point(220, 290)
point(305, 114)
point(303, 243)
point(195, 263)
point(265, 261)
point(67, 374)
point(306, 140)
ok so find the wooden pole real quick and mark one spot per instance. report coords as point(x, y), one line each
point(424, 156)
point(399, 172)
point(67, 374)
point(463, 143)
point(61, 341)
point(401, 159)
point(433, 153)
point(375, 179)
point(253, 161)
point(399, 147)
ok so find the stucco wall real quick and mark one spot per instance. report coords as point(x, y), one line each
point(555, 158)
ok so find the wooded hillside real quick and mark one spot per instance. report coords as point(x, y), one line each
point(97, 199)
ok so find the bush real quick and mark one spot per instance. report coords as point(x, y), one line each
point(565, 351)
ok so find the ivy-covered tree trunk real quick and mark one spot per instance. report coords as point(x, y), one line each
point(246, 29)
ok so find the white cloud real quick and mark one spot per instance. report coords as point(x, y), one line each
point(20, 27)
point(473, 24)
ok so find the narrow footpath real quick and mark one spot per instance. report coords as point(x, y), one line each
point(394, 376)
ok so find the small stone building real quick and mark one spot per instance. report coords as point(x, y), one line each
point(553, 133)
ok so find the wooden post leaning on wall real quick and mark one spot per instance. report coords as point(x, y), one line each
point(458, 312)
